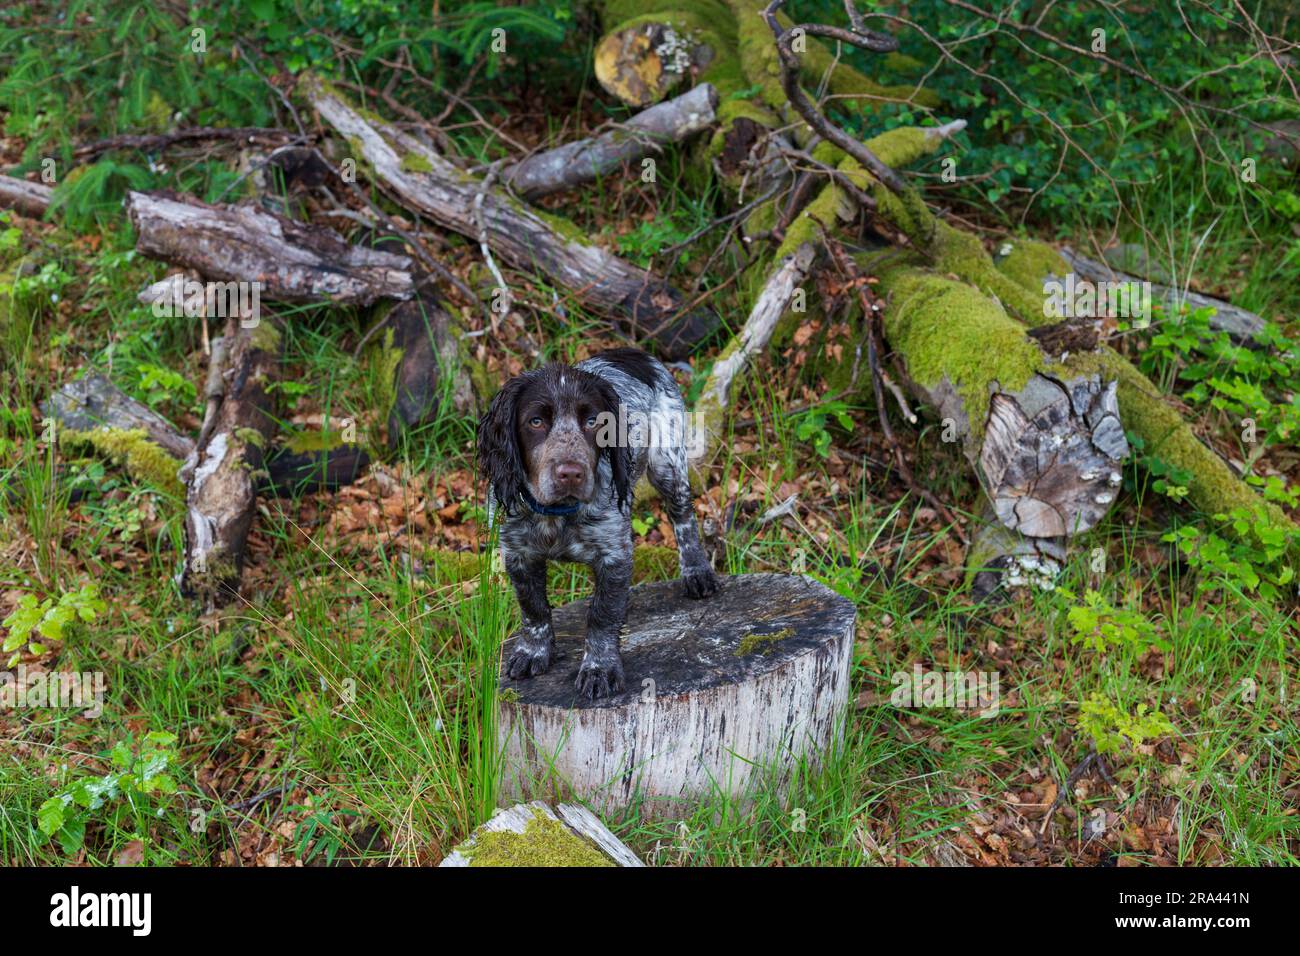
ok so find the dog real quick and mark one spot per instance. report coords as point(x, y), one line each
point(561, 448)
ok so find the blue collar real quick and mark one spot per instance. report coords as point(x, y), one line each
point(551, 511)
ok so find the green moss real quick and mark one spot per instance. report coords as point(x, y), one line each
point(390, 357)
point(416, 163)
point(131, 449)
point(544, 842)
point(308, 441)
point(1029, 262)
point(251, 436)
point(753, 642)
point(902, 63)
point(265, 336)
point(761, 62)
point(947, 329)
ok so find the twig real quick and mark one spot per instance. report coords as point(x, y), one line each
point(506, 299)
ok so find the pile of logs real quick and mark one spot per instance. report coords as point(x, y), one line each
point(1039, 407)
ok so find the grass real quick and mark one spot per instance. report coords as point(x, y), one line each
point(344, 712)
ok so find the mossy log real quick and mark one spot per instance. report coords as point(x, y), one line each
point(292, 262)
point(586, 160)
point(28, 199)
point(646, 307)
point(93, 413)
point(650, 48)
point(730, 693)
point(222, 472)
point(532, 834)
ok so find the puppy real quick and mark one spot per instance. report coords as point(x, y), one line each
point(562, 447)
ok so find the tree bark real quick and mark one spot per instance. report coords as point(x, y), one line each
point(291, 261)
point(731, 692)
point(430, 367)
point(29, 199)
point(221, 474)
point(648, 308)
point(586, 160)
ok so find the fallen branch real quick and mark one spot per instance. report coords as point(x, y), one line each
point(244, 244)
point(221, 473)
point(648, 307)
point(1240, 324)
point(712, 405)
point(584, 161)
point(29, 199)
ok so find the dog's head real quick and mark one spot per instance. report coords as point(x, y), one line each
point(540, 435)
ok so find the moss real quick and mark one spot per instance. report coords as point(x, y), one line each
point(308, 441)
point(945, 329)
point(1029, 262)
point(754, 642)
point(902, 63)
point(416, 163)
point(390, 357)
point(265, 336)
point(131, 449)
point(251, 436)
point(762, 66)
point(544, 842)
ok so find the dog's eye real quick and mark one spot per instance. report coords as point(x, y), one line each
point(591, 421)
point(536, 422)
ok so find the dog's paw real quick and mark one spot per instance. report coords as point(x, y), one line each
point(530, 658)
point(600, 677)
point(699, 582)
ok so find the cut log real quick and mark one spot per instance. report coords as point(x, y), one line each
point(648, 308)
point(29, 199)
point(532, 834)
point(1240, 324)
point(587, 160)
point(725, 695)
point(221, 474)
point(291, 262)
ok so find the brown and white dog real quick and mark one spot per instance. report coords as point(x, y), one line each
point(560, 486)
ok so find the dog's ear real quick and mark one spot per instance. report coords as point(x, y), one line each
point(499, 458)
point(620, 456)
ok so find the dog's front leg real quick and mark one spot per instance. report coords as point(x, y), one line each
point(601, 673)
point(535, 647)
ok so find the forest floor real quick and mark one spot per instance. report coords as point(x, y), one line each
point(336, 713)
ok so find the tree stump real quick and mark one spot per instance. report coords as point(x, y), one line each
point(727, 693)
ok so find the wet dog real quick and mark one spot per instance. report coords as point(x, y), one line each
point(562, 447)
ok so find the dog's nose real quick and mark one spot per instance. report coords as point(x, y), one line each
point(569, 475)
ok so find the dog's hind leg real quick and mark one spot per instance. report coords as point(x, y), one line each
point(666, 470)
point(535, 647)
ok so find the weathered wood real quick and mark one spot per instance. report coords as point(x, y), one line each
point(538, 846)
point(647, 308)
point(1001, 558)
point(729, 692)
point(221, 473)
point(94, 412)
point(1241, 324)
point(292, 262)
point(29, 199)
point(710, 410)
point(586, 160)
point(1051, 455)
